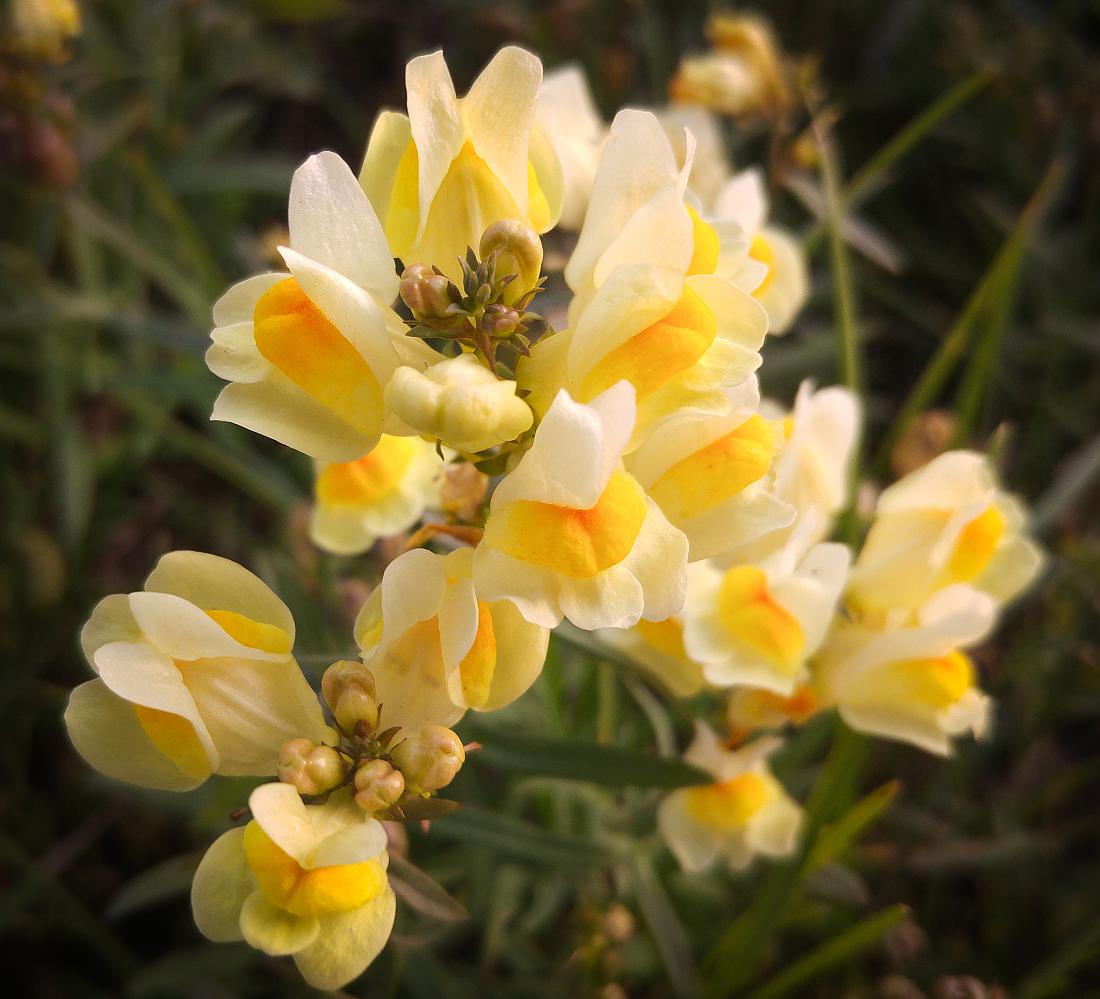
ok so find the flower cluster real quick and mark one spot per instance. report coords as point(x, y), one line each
point(640, 489)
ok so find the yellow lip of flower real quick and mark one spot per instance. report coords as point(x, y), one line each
point(369, 479)
point(728, 804)
point(715, 473)
point(667, 636)
point(761, 251)
point(479, 664)
point(579, 543)
point(975, 546)
point(752, 616)
point(936, 682)
point(297, 339)
point(660, 352)
point(176, 738)
point(705, 246)
point(254, 634)
point(309, 892)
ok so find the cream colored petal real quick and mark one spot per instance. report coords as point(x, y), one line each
point(811, 594)
point(105, 731)
point(658, 561)
point(215, 583)
point(521, 653)
point(691, 843)
point(389, 138)
point(183, 631)
point(251, 708)
point(707, 753)
point(435, 122)
point(221, 886)
point(238, 303)
point(659, 233)
point(752, 514)
point(458, 623)
point(535, 591)
point(278, 409)
point(1014, 566)
point(773, 831)
point(498, 112)
point(950, 480)
point(741, 319)
point(785, 296)
point(413, 587)
point(549, 174)
point(744, 200)
point(347, 943)
point(111, 621)
point(895, 723)
point(332, 221)
point(340, 530)
point(355, 838)
point(285, 818)
point(233, 355)
point(612, 598)
point(273, 930)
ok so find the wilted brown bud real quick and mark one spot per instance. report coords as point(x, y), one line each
point(519, 252)
point(309, 768)
point(926, 437)
point(378, 786)
point(429, 758)
point(425, 292)
point(463, 491)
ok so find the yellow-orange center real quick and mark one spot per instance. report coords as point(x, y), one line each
point(757, 621)
point(254, 634)
point(298, 339)
point(728, 804)
point(666, 636)
point(974, 549)
point(365, 481)
point(761, 250)
point(937, 682)
point(175, 737)
point(479, 664)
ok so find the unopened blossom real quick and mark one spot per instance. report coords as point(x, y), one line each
point(759, 624)
point(948, 522)
point(378, 786)
point(744, 813)
point(194, 676)
point(309, 768)
point(437, 645)
point(439, 176)
point(712, 475)
point(567, 116)
point(307, 881)
point(308, 354)
point(913, 682)
point(429, 758)
point(774, 268)
point(383, 493)
point(459, 402)
point(571, 534)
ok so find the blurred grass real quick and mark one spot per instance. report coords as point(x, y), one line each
point(188, 118)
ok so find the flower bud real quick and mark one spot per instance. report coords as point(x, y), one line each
point(500, 320)
point(378, 786)
point(343, 673)
point(519, 252)
point(460, 402)
point(309, 768)
point(429, 758)
point(425, 292)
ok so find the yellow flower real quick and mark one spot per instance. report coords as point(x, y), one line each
point(773, 266)
point(758, 625)
point(710, 475)
point(571, 534)
point(568, 117)
point(440, 176)
point(304, 880)
point(911, 682)
point(40, 28)
point(658, 648)
point(308, 354)
point(437, 646)
point(709, 167)
point(721, 81)
point(195, 676)
point(751, 708)
point(948, 522)
point(745, 812)
point(460, 402)
point(382, 493)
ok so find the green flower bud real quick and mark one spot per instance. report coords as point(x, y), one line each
point(309, 768)
point(378, 786)
point(429, 758)
point(519, 252)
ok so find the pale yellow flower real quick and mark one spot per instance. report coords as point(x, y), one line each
point(948, 522)
point(658, 648)
point(744, 813)
point(382, 493)
point(460, 402)
point(441, 175)
point(437, 645)
point(752, 708)
point(307, 881)
point(571, 534)
point(709, 167)
point(194, 676)
point(308, 354)
point(912, 682)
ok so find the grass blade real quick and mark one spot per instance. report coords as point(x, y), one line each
point(664, 924)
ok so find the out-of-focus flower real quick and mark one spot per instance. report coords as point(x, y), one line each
point(307, 355)
point(926, 437)
point(195, 676)
point(658, 648)
point(744, 813)
point(758, 625)
point(948, 522)
point(710, 475)
point(570, 533)
point(302, 880)
point(440, 176)
point(775, 268)
point(382, 493)
point(750, 37)
point(709, 168)
point(720, 81)
point(912, 683)
point(437, 646)
point(459, 402)
point(752, 708)
point(41, 29)
point(568, 117)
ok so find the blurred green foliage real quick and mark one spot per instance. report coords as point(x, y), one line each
point(186, 118)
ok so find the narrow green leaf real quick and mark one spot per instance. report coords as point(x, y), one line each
point(836, 951)
point(166, 880)
point(1082, 470)
point(606, 765)
point(1051, 977)
point(516, 840)
point(423, 893)
point(673, 943)
point(838, 836)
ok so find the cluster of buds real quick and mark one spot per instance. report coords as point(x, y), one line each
point(489, 313)
point(394, 772)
